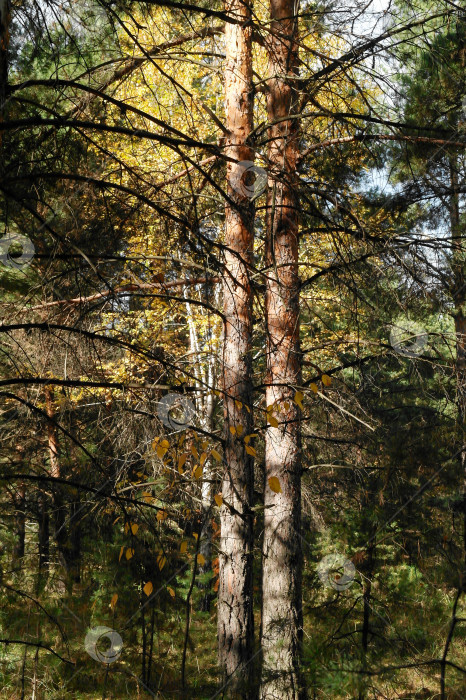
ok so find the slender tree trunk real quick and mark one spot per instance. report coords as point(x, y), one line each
point(144, 643)
point(151, 646)
point(19, 503)
point(52, 439)
point(44, 538)
point(62, 532)
point(235, 603)
point(205, 545)
point(204, 409)
point(74, 549)
point(367, 570)
point(58, 519)
point(20, 525)
point(282, 555)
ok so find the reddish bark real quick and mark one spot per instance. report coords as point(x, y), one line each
point(281, 582)
point(235, 614)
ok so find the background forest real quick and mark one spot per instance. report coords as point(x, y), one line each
point(232, 349)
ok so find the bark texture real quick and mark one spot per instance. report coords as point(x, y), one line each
point(235, 613)
point(282, 565)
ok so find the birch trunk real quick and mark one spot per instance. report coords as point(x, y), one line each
point(204, 372)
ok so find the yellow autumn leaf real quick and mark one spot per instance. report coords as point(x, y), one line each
point(314, 388)
point(203, 458)
point(162, 514)
point(238, 405)
point(195, 452)
point(218, 498)
point(197, 473)
point(232, 430)
point(134, 528)
point(298, 399)
point(129, 553)
point(121, 553)
point(171, 591)
point(201, 559)
point(326, 380)
point(147, 496)
point(239, 429)
point(162, 449)
point(274, 484)
point(113, 602)
point(161, 561)
point(148, 588)
point(216, 455)
point(195, 535)
point(273, 421)
point(251, 451)
point(181, 462)
point(183, 547)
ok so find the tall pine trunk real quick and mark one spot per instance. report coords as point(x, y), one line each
point(282, 555)
point(235, 613)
